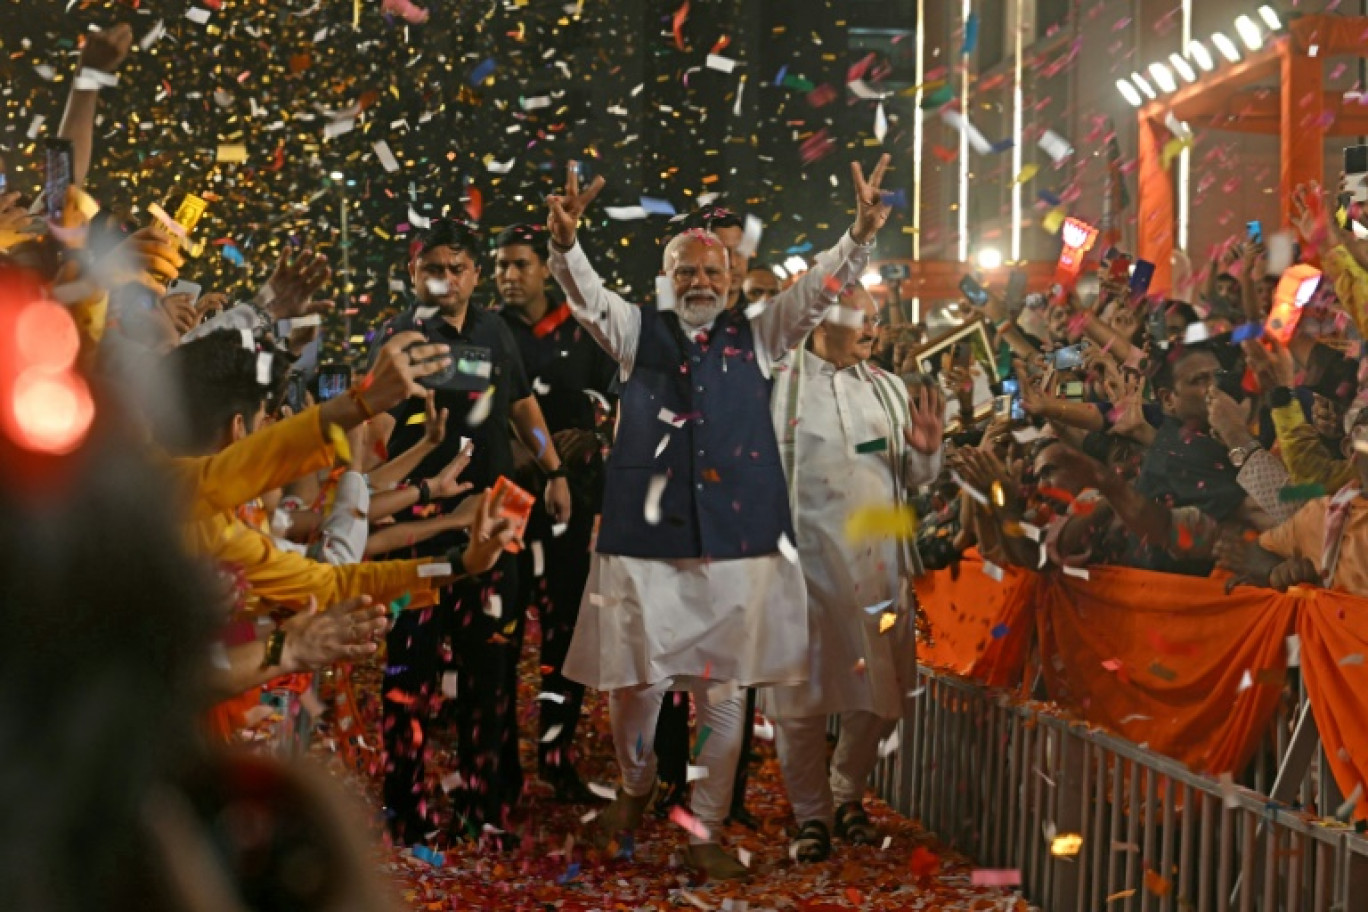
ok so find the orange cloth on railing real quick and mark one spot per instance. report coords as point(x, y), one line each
point(1167, 661)
point(980, 628)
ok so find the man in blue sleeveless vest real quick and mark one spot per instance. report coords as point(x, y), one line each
point(695, 584)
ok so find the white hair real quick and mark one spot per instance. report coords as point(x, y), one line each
point(695, 234)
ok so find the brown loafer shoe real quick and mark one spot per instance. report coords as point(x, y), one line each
point(715, 862)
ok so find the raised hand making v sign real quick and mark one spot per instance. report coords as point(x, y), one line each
point(568, 208)
point(871, 207)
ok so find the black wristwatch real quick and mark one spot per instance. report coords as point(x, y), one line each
point(557, 473)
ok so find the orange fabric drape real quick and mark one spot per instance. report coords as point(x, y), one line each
point(1164, 660)
point(1303, 130)
point(980, 628)
point(1155, 214)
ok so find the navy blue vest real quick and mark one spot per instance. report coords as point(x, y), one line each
point(725, 497)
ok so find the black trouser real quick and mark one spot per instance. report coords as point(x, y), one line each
point(672, 744)
point(482, 650)
point(556, 595)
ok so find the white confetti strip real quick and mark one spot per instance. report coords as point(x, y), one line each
point(387, 159)
point(696, 772)
point(426, 571)
point(1055, 146)
point(197, 15)
point(665, 293)
point(721, 64)
point(786, 548)
point(538, 559)
point(493, 605)
point(1293, 651)
point(654, 491)
point(450, 684)
point(550, 696)
point(552, 733)
point(1076, 572)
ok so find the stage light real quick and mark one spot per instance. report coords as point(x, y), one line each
point(1227, 47)
point(989, 258)
point(1201, 56)
point(1144, 86)
point(1128, 92)
point(1270, 18)
point(1249, 33)
point(1162, 78)
point(1183, 67)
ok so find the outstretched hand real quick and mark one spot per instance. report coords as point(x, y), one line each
point(927, 426)
point(568, 208)
point(871, 209)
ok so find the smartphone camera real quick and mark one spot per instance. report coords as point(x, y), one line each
point(333, 380)
point(1067, 358)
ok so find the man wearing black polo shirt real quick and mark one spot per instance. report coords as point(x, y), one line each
point(571, 377)
point(487, 392)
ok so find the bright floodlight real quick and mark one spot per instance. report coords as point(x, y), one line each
point(989, 258)
point(1198, 52)
point(1249, 33)
point(1227, 47)
point(1128, 92)
point(1144, 86)
point(1162, 77)
point(1270, 18)
point(795, 265)
point(1183, 67)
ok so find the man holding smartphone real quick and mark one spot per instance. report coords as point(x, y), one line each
point(484, 393)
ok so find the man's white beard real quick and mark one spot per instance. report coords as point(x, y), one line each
point(699, 308)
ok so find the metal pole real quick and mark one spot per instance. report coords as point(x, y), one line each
point(346, 267)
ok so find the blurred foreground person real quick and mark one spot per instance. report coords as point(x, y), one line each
point(111, 799)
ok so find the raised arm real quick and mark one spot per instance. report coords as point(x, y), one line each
point(614, 323)
point(103, 53)
point(794, 313)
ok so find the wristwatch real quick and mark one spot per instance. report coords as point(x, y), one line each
point(558, 472)
point(275, 646)
point(1240, 455)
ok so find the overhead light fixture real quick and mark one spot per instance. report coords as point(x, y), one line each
point(1270, 18)
point(1183, 67)
point(1128, 92)
point(1249, 33)
point(1199, 54)
point(1227, 47)
point(1143, 85)
point(1163, 78)
point(989, 258)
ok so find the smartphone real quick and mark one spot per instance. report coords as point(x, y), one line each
point(1255, 231)
point(1016, 290)
point(59, 173)
point(1157, 327)
point(517, 509)
point(295, 389)
point(1141, 277)
point(1072, 390)
point(1011, 389)
point(1067, 358)
point(1356, 173)
point(180, 286)
point(333, 380)
point(976, 293)
point(1294, 291)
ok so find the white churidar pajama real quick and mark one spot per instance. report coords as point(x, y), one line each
point(648, 626)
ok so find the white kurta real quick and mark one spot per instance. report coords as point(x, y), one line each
point(645, 621)
point(852, 665)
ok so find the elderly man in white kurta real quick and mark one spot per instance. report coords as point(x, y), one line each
point(851, 440)
point(694, 583)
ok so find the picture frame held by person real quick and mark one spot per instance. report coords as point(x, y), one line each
point(966, 346)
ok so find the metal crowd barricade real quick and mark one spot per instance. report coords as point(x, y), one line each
point(998, 779)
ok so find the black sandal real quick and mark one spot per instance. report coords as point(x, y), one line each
point(813, 843)
point(854, 825)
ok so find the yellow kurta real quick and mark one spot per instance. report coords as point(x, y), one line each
point(213, 486)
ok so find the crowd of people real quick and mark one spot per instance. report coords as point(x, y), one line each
point(199, 511)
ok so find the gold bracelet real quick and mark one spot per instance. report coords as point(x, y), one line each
point(355, 394)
